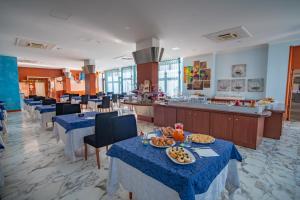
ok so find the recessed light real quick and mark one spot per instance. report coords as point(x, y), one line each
point(127, 28)
point(175, 48)
point(118, 41)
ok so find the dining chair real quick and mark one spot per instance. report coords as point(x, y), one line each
point(31, 96)
point(93, 96)
point(59, 108)
point(105, 104)
point(49, 101)
point(115, 99)
point(84, 100)
point(103, 135)
point(71, 109)
point(123, 127)
point(39, 98)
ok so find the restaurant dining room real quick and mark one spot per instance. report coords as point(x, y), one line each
point(149, 100)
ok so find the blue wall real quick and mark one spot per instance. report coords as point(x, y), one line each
point(9, 82)
point(278, 59)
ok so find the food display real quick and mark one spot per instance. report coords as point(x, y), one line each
point(266, 101)
point(167, 131)
point(202, 138)
point(178, 135)
point(162, 142)
point(180, 155)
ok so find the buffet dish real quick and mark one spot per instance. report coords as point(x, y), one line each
point(202, 138)
point(180, 155)
point(162, 142)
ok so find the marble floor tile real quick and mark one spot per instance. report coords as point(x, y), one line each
point(34, 167)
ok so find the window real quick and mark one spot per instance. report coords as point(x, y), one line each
point(112, 81)
point(128, 78)
point(169, 77)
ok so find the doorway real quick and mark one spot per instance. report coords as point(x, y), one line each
point(295, 102)
point(40, 89)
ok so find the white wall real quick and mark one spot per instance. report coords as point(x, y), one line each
point(278, 58)
point(255, 59)
point(188, 61)
point(221, 63)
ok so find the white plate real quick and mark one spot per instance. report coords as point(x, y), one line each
point(162, 146)
point(205, 142)
point(179, 163)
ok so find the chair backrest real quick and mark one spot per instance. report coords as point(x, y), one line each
point(49, 101)
point(105, 102)
point(103, 128)
point(115, 98)
point(124, 127)
point(93, 96)
point(38, 98)
point(72, 95)
point(100, 94)
point(84, 99)
point(59, 108)
point(71, 109)
point(31, 96)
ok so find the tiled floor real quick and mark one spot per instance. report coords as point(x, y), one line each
point(34, 167)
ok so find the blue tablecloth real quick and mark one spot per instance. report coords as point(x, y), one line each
point(95, 100)
point(27, 100)
point(46, 108)
point(64, 96)
point(34, 103)
point(187, 180)
point(73, 121)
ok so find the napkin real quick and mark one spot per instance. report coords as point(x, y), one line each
point(205, 152)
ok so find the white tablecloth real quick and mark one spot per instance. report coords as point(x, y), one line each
point(93, 105)
point(147, 188)
point(64, 99)
point(75, 101)
point(45, 118)
point(73, 140)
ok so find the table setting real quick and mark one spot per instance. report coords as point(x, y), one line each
point(151, 166)
point(45, 113)
point(93, 104)
point(70, 129)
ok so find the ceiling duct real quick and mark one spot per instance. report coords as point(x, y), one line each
point(229, 34)
point(151, 54)
point(33, 44)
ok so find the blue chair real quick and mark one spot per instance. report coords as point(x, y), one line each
point(124, 127)
point(105, 104)
point(49, 101)
point(71, 109)
point(59, 108)
point(103, 134)
point(84, 100)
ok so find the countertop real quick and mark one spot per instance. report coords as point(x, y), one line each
point(219, 107)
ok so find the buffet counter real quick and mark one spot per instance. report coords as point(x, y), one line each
point(243, 126)
point(144, 111)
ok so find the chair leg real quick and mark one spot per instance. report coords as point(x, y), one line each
point(97, 157)
point(130, 195)
point(85, 151)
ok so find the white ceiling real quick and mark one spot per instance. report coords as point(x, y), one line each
point(105, 29)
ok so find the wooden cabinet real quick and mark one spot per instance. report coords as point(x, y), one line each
point(200, 122)
point(221, 125)
point(247, 131)
point(273, 125)
point(185, 116)
point(169, 116)
point(159, 116)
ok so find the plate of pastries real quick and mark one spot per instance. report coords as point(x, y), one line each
point(162, 142)
point(180, 155)
point(202, 138)
point(167, 131)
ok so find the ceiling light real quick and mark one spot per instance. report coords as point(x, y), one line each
point(127, 28)
point(118, 41)
point(175, 48)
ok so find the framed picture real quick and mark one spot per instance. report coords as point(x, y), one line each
point(205, 74)
point(224, 85)
point(206, 84)
point(239, 70)
point(256, 85)
point(238, 85)
point(203, 65)
point(197, 85)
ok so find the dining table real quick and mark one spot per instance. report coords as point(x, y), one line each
point(93, 104)
point(149, 173)
point(75, 100)
point(45, 113)
point(71, 129)
point(3, 120)
point(64, 98)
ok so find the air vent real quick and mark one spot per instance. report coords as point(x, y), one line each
point(124, 57)
point(34, 44)
point(229, 34)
